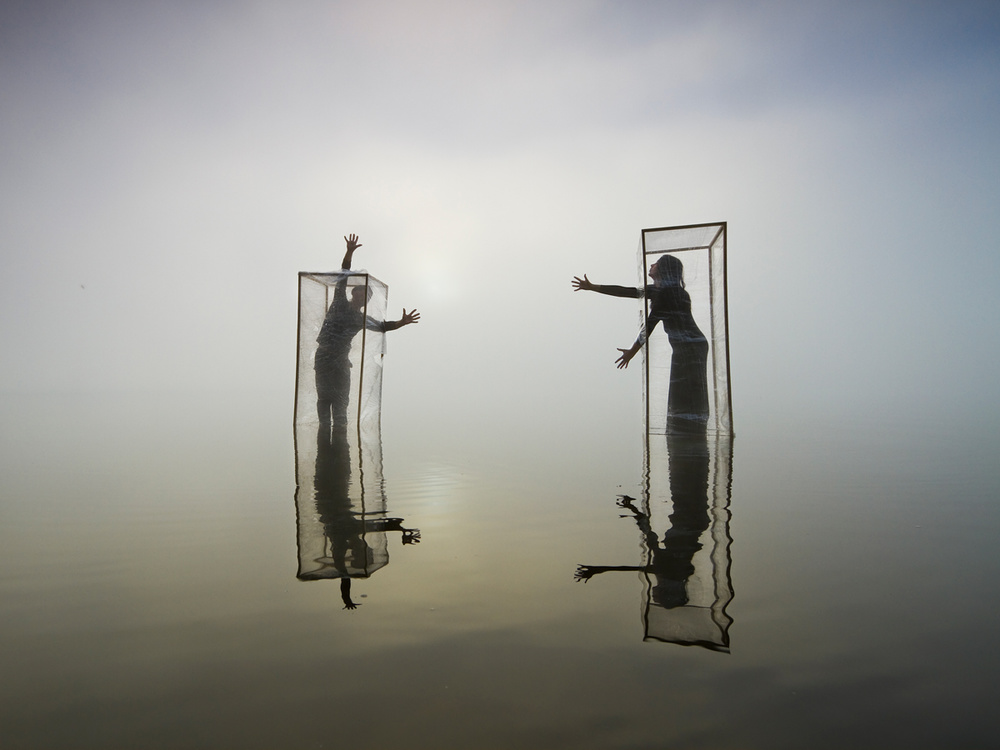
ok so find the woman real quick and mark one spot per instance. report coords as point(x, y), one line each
point(669, 303)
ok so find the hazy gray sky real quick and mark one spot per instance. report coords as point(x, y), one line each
point(168, 168)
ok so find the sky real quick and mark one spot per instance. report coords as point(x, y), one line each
point(166, 170)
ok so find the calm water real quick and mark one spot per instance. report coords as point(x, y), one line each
point(150, 598)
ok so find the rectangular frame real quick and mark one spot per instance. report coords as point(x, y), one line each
point(702, 250)
point(316, 294)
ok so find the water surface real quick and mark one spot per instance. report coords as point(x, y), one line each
point(150, 597)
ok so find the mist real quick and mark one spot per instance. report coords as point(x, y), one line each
point(168, 171)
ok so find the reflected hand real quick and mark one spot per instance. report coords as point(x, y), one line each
point(624, 501)
point(409, 317)
point(584, 573)
point(345, 594)
point(583, 284)
point(411, 536)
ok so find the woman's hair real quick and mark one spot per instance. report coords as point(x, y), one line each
point(670, 270)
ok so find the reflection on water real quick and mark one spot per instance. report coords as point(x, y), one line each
point(340, 492)
point(688, 581)
point(340, 504)
point(683, 517)
point(147, 600)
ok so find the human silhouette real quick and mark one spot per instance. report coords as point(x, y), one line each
point(344, 319)
point(670, 558)
point(347, 525)
point(686, 564)
point(669, 304)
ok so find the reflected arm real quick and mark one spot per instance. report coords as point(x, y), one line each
point(410, 536)
point(641, 520)
point(345, 594)
point(586, 572)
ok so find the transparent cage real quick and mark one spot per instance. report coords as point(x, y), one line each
point(340, 500)
point(687, 571)
point(686, 357)
point(341, 344)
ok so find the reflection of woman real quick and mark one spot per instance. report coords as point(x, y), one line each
point(670, 303)
point(670, 561)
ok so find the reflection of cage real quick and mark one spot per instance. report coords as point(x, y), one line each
point(340, 501)
point(688, 585)
point(352, 305)
point(676, 362)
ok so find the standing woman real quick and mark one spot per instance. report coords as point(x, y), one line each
point(669, 303)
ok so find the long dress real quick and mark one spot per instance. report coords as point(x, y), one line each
point(687, 398)
point(687, 401)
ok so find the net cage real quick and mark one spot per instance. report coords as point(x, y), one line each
point(339, 498)
point(687, 571)
point(340, 501)
point(686, 382)
point(341, 343)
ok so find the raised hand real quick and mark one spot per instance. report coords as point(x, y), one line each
point(583, 284)
point(409, 317)
point(352, 245)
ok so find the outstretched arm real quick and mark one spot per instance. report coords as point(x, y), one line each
point(586, 285)
point(352, 245)
point(408, 317)
point(627, 354)
point(586, 572)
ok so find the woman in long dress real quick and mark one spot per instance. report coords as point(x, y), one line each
point(670, 304)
